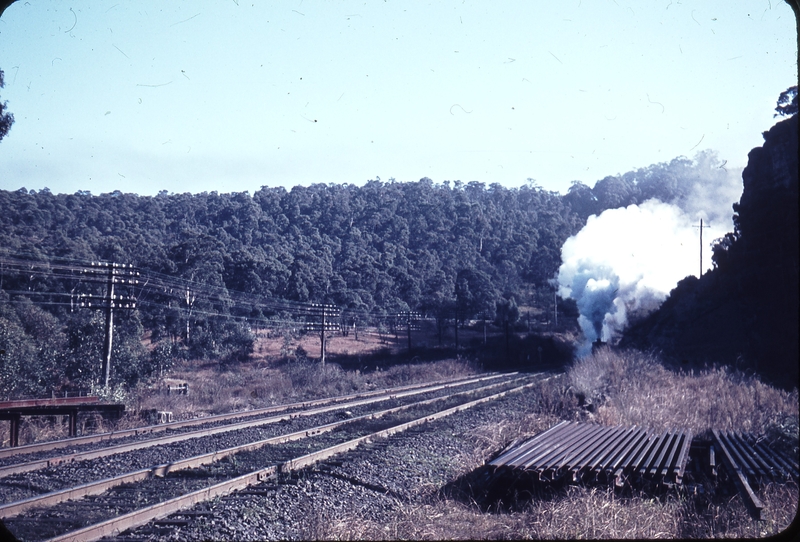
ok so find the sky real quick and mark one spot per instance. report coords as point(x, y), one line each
point(230, 96)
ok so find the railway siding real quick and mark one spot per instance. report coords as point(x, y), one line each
point(99, 486)
point(367, 483)
point(86, 443)
point(286, 457)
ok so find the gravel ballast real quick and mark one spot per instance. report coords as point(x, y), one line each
point(372, 483)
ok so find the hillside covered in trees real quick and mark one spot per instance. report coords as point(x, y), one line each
point(212, 264)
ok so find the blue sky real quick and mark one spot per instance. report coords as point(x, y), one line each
point(233, 95)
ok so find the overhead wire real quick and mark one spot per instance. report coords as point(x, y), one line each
point(149, 285)
point(155, 284)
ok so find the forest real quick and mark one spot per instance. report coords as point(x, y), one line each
point(212, 266)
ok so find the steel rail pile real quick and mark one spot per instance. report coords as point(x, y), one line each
point(745, 457)
point(574, 451)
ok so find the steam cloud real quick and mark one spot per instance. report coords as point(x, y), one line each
point(627, 260)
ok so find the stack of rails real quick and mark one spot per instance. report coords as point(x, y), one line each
point(573, 452)
point(747, 459)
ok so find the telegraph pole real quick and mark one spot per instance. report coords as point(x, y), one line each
point(555, 306)
point(701, 245)
point(109, 325)
point(410, 318)
point(322, 338)
point(456, 329)
point(324, 318)
point(117, 274)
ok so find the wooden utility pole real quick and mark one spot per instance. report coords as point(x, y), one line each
point(456, 329)
point(701, 245)
point(322, 339)
point(109, 326)
point(323, 318)
point(190, 299)
point(410, 319)
point(117, 274)
point(508, 348)
point(555, 306)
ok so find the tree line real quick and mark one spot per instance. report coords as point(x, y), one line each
point(453, 251)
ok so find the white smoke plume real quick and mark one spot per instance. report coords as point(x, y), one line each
point(627, 260)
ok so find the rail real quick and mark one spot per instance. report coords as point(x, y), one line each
point(159, 510)
point(113, 435)
point(95, 488)
point(581, 451)
point(19, 468)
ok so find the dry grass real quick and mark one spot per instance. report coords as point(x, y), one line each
point(625, 388)
point(245, 386)
point(270, 347)
point(579, 513)
point(713, 516)
point(632, 388)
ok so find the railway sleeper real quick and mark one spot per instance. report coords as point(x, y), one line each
point(259, 490)
point(195, 513)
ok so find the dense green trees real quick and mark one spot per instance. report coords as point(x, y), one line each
point(213, 263)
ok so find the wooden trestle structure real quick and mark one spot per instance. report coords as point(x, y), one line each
point(13, 411)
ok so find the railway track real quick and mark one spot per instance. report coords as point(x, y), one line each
point(43, 474)
point(10, 455)
point(101, 506)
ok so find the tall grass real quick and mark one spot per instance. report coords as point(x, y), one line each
point(633, 388)
point(214, 389)
point(579, 513)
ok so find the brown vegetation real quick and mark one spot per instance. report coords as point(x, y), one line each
point(632, 388)
point(580, 513)
point(245, 386)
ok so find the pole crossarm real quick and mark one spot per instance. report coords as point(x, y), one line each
point(410, 319)
point(89, 301)
point(322, 317)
